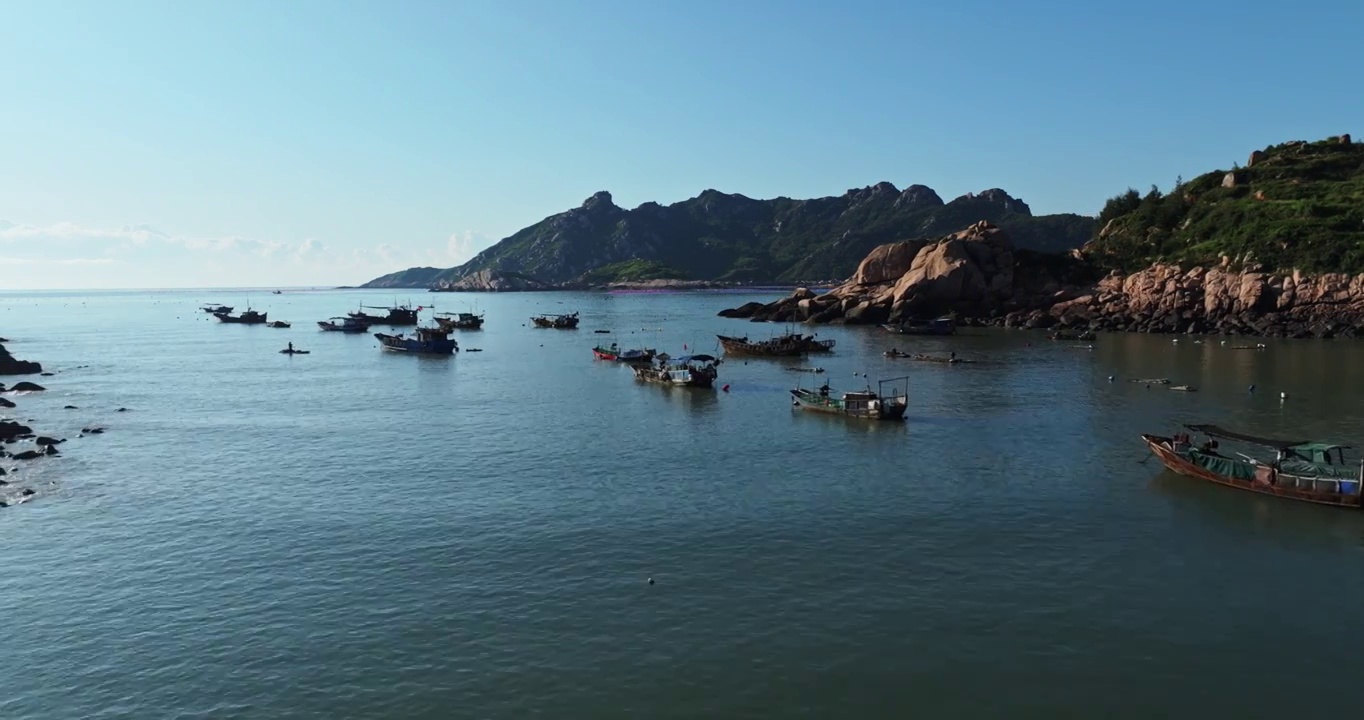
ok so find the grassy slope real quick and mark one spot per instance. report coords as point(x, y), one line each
point(1301, 206)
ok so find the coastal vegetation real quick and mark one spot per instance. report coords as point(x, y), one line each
point(1294, 206)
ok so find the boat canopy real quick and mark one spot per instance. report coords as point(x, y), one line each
point(696, 358)
point(1215, 431)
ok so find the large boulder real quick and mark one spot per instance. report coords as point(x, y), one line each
point(11, 366)
point(887, 263)
point(10, 430)
point(26, 386)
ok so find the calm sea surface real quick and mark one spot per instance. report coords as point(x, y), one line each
point(358, 534)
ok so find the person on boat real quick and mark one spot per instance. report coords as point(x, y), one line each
point(291, 347)
point(824, 390)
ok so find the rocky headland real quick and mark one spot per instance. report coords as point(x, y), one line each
point(977, 275)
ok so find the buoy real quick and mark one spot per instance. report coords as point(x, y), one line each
point(1251, 388)
point(725, 388)
point(651, 581)
point(1283, 396)
point(1110, 378)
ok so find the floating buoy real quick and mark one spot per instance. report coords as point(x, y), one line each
point(1110, 378)
point(1251, 388)
point(651, 581)
point(725, 388)
point(1283, 396)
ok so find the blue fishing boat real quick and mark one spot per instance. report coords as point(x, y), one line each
point(429, 341)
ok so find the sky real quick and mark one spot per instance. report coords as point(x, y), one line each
point(297, 143)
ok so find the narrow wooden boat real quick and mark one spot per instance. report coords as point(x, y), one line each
point(868, 404)
point(946, 325)
point(1304, 470)
point(427, 341)
point(688, 371)
point(212, 309)
point(558, 322)
point(459, 321)
point(789, 345)
point(394, 315)
point(292, 351)
point(613, 353)
point(249, 317)
point(343, 325)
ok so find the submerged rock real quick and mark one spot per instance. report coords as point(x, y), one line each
point(26, 386)
point(10, 430)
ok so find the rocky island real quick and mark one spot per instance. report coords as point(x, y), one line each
point(1275, 248)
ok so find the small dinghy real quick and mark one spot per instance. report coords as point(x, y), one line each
point(291, 351)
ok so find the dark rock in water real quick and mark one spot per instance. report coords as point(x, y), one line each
point(70, 407)
point(93, 431)
point(743, 311)
point(121, 410)
point(26, 386)
point(47, 374)
point(4, 340)
point(9, 430)
point(11, 366)
point(6, 403)
point(28, 455)
point(45, 440)
point(28, 491)
point(51, 450)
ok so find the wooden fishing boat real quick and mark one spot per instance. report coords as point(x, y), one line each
point(558, 322)
point(212, 309)
point(395, 315)
point(248, 317)
point(459, 321)
point(343, 325)
point(292, 351)
point(946, 325)
point(789, 345)
point(948, 359)
point(427, 341)
point(1304, 470)
point(868, 404)
point(687, 371)
point(615, 354)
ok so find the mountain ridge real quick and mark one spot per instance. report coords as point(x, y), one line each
point(729, 237)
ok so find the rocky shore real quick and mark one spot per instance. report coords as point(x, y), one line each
point(977, 275)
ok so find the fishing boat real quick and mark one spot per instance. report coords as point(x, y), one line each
point(395, 315)
point(1306, 470)
point(630, 357)
point(212, 309)
point(558, 322)
point(343, 325)
point(789, 345)
point(868, 404)
point(948, 359)
point(279, 324)
point(248, 317)
point(688, 370)
point(292, 351)
point(429, 341)
point(946, 325)
point(459, 321)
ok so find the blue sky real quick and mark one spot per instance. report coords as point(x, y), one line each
point(169, 144)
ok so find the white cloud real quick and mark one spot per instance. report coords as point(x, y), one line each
point(462, 246)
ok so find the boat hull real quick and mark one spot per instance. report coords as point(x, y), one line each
point(770, 348)
point(350, 329)
point(240, 320)
point(395, 343)
point(677, 378)
point(1266, 481)
point(889, 410)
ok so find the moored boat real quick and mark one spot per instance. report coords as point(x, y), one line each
point(279, 324)
point(615, 354)
point(868, 404)
point(396, 315)
point(212, 309)
point(460, 321)
point(343, 325)
point(1304, 470)
point(946, 325)
point(558, 322)
point(429, 341)
point(687, 371)
point(789, 345)
point(248, 317)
